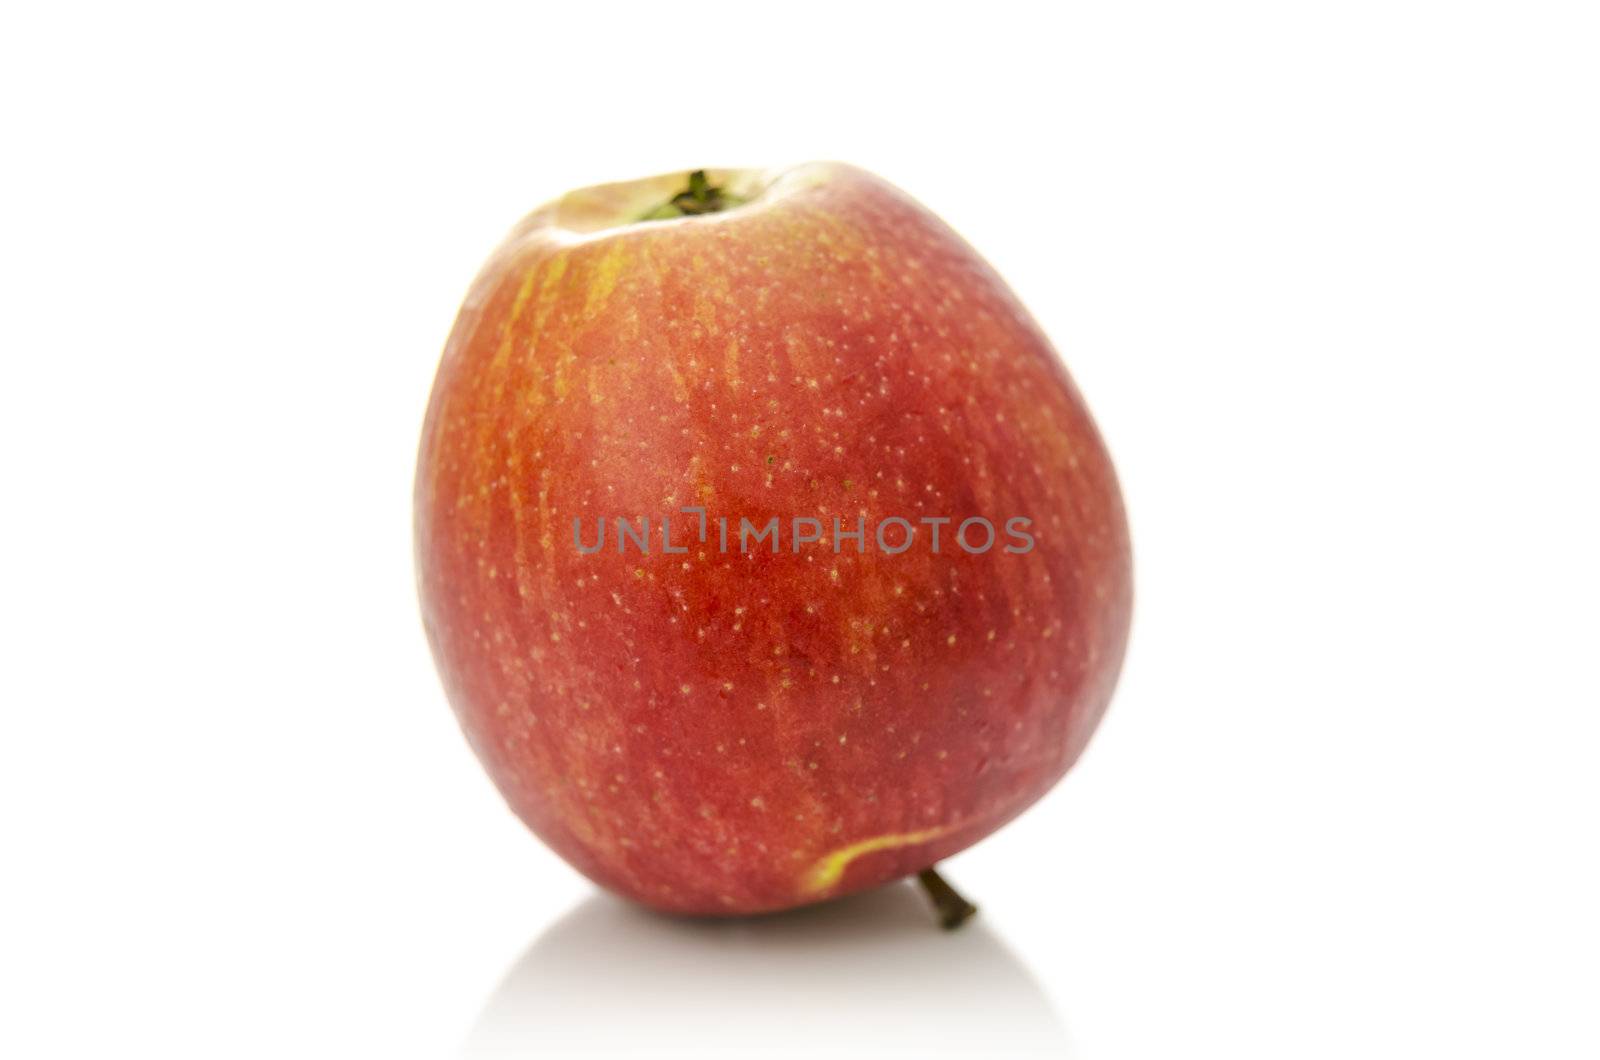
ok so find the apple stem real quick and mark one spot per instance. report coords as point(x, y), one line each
point(701, 196)
point(953, 909)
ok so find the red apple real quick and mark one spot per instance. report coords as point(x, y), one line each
point(731, 728)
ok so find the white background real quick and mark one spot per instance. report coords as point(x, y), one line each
point(1327, 274)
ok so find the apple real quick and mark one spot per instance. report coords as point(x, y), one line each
point(766, 550)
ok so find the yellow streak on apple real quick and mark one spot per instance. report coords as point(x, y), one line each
point(603, 280)
point(829, 869)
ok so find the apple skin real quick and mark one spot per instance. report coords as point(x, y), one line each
point(724, 734)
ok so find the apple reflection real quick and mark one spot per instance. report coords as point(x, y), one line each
point(866, 975)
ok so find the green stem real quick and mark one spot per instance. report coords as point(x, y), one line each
point(701, 196)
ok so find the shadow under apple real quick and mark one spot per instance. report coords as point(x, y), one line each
point(867, 975)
